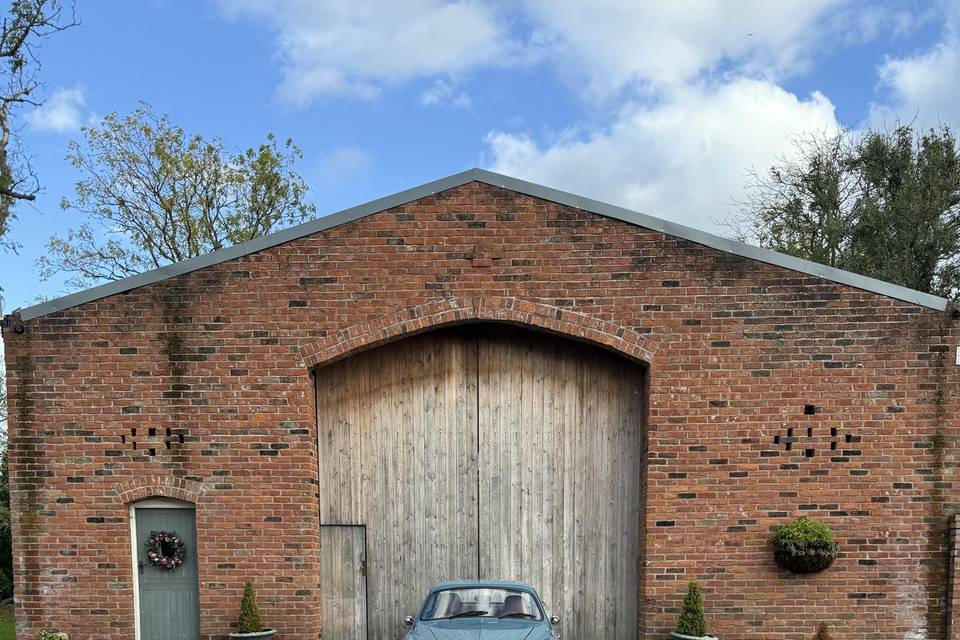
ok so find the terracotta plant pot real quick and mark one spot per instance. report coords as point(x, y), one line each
point(683, 637)
point(266, 633)
point(804, 557)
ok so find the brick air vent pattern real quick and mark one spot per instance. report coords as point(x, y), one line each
point(151, 440)
point(813, 438)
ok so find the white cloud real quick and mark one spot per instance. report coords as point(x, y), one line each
point(924, 86)
point(62, 112)
point(684, 158)
point(343, 163)
point(355, 47)
point(442, 93)
point(610, 44)
point(359, 47)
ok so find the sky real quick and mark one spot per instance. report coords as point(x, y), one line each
point(662, 106)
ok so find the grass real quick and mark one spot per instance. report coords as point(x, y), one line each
point(7, 631)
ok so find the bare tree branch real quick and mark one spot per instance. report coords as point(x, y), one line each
point(26, 25)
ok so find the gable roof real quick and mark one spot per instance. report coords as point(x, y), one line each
point(506, 182)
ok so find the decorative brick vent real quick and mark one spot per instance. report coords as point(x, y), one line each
point(152, 440)
point(810, 439)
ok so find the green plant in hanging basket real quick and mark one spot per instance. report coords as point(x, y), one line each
point(692, 622)
point(805, 546)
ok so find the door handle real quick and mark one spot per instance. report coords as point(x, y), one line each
point(140, 567)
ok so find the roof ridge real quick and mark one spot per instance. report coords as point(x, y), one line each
point(499, 180)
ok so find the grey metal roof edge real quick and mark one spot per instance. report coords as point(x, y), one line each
point(246, 248)
point(514, 184)
point(716, 242)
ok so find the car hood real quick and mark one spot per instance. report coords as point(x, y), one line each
point(481, 630)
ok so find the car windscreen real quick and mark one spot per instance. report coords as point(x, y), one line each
point(481, 602)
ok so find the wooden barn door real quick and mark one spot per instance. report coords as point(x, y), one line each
point(489, 451)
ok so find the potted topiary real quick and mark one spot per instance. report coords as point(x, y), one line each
point(249, 624)
point(692, 624)
point(804, 546)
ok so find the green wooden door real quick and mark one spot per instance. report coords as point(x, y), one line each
point(169, 602)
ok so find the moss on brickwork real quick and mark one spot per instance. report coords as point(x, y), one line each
point(937, 544)
point(24, 490)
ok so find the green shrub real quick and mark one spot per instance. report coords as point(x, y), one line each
point(692, 621)
point(6, 585)
point(805, 530)
point(249, 621)
point(823, 632)
point(52, 634)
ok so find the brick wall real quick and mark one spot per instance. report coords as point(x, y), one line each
point(744, 357)
point(953, 594)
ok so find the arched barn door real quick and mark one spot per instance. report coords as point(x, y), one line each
point(486, 451)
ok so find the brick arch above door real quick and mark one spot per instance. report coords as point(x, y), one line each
point(143, 487)
point(450, 311)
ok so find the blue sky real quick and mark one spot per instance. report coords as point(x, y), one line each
point(662, 106)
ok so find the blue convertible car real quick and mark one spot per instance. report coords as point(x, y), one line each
point(482, 610)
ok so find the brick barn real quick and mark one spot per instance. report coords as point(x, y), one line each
point(484, 377)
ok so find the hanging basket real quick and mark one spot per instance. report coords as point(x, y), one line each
point(804, 556)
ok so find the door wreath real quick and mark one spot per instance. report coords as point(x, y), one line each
point(165, 550)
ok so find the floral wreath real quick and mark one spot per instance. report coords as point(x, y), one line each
point(165, 550)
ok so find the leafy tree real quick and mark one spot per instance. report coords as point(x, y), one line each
point(25, 24)
point(908, 210)
point(153, 195)
point(805, 207)
point(884, 203)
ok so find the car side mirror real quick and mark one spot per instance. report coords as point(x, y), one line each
point(554, 620)
point(408, 621)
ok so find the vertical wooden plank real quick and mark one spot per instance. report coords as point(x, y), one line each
point(488, 479)
point(568, 422)
point(470, 470)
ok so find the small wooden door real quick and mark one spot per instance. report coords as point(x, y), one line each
point(343, 573)
point(168, 600)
